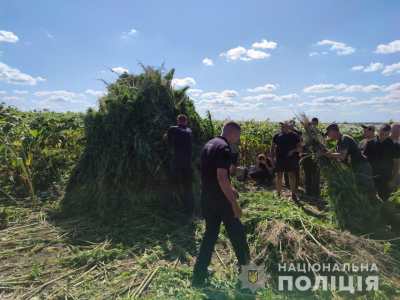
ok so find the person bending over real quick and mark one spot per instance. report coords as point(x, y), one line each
point(264, 170)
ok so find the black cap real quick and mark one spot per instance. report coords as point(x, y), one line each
point(370, 127)
point(332, 126)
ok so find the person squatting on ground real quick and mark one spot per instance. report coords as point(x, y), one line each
point(369, 133)
point(310, 166)
point(264, 170)
point(296, 155)
point(348, 151)
point(234, 156)
point(182, 139)
point(286, 143)
point(219, 202)
point(383, 154)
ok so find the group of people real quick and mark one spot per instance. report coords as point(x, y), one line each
point(375, 163)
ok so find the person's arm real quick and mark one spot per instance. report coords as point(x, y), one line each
point(396, 168)
point(342, 155)
point(165, 137)
point(226, 187)
point(272, 153)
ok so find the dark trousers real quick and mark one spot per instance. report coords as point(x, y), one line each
point(262, 175)
point(183, 170)
point(383, 190)
point(312, 174)
point(364, 176)
point(236, 234)
point(297, 173)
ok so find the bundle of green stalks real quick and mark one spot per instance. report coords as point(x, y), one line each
point(349, 203)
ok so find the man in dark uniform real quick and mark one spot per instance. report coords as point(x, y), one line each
point(181, 137)
point(369, 131)
point(384, 156)
point(348, 151)
point(310, 167)
point(287, 143)
point(218, 202)
point(296, 155)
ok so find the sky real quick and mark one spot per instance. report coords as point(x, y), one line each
point(336, 60)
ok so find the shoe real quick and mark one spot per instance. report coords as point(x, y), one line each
point(294, 198)
point(198, 281)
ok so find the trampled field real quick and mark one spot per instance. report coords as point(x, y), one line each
point(119, 248)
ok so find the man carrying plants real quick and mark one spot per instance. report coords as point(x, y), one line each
point(219, 202)
point(348, 151)
point(181, 137)
point(384, 156)
point(287, 143)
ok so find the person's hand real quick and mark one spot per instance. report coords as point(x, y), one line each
point(237, 210)
point(391, 184)
point(236, 193)
point(290, 153)
point(165, 137)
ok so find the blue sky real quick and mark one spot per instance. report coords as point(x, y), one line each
point(338, 60)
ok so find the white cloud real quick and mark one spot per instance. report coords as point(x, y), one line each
point(56, 93)
point(1, 53)
point(271, 97)
point(334, 99)
point(96, 93)
point(365, 89)
point(377, 105)
point(392, 69)
point(384, 110)
point(102, 71)
point(357, 68)
point(314, 54)
point(45, 104)
point(133, 31)
point(339, 48)
point(265, 88)
point(265, 45)
point(194, 91)
point(8, 36)
point(393, 87)
point(120, 70)
point(14, 76)
point(239, 52)
point(13, 98)
point(234, 54)
point(324, 53)
point(323, 88)
point(3, 92)
point(20, 92)
point(373, 67)
point(50, 36)
point(208, 62)
point(224, 94)
point(389, 48)
point(183, 82)
point(254, 54)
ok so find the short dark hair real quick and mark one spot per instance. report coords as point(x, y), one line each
point(231, 125)
point(385, 127)
point(182, 119)
point(315, 119)
point(261, 156)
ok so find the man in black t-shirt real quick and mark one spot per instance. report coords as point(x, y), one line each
point(219, 202)
point(384, 156)
point(350, 154)
point(287, 143)
point(296, 155)
point(264, 171)
point(369, 132)
point(181, 137)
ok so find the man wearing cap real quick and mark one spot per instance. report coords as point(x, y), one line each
point(287, 143)
point(296, 155)
point(384, 156)
point(369, 131)
point(348, 151)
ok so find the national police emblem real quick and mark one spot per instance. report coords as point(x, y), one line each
point(253, 277)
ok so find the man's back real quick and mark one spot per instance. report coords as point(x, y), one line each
point(354, 155)
point(182, 137)
point(381, 155)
